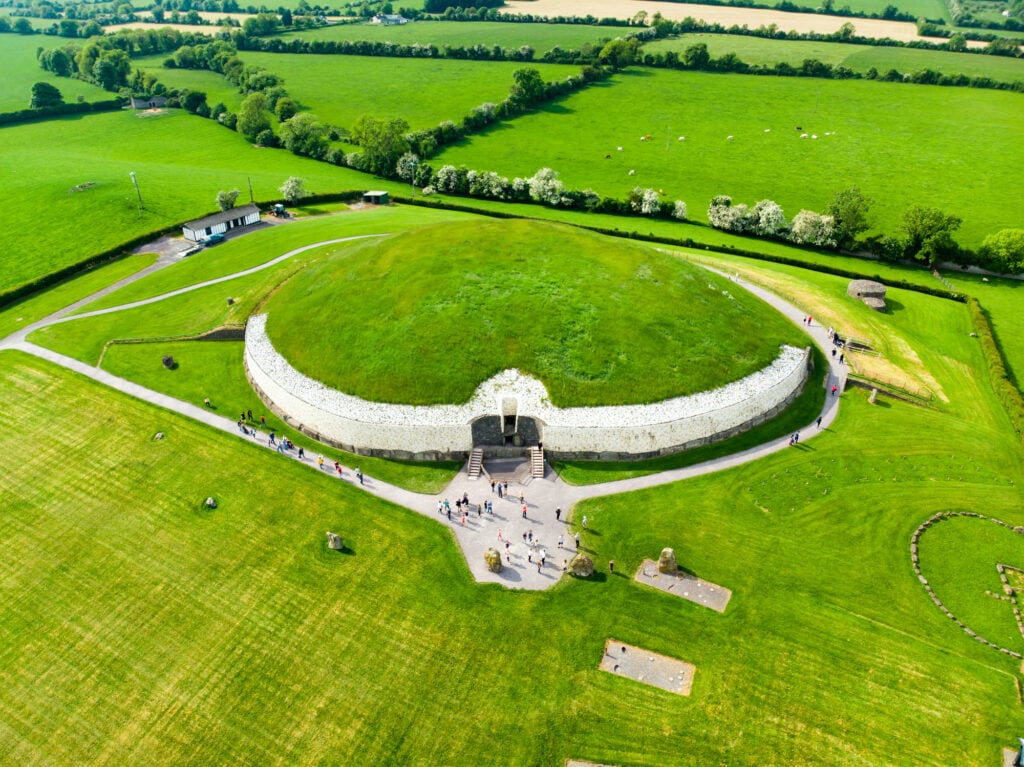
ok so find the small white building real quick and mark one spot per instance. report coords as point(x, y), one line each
point(389, 19)
point(221, 223)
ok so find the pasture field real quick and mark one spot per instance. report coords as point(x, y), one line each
point(922, 9)
point(181, 162)
point(340, 89)
point(540, 37)
point(21, 71)
point(859, 58)
point(880, 132)
point(216, 87)
point(805, 665)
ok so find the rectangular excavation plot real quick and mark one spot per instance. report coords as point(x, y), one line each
point(648, 667)
point(684, 585)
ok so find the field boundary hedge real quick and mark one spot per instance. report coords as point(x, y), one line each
point(1006, 391)
point(62, 110)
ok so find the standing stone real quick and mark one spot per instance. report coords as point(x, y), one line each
point(335, 542)
point(667, 562)
point(211, 503)
point(582, 566)
point(493, 559)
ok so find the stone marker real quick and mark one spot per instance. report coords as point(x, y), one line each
point(493, 559)
point(210, 503)
point(873, 397)
point(582, 566)
point(335, 542)
point(667, 562)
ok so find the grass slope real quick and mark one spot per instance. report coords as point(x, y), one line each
point(918, 132)
point(425, 92)
point(21, 71)
point(425, 317)
point(860, 58)
point(181, 162)
point(311, 650)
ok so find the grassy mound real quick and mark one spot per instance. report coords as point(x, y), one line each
point(424, 317)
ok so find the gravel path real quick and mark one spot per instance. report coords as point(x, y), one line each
point(478, 532)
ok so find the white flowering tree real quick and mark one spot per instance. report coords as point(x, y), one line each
point(447, 178)
point(767, 218)
point(406, 167)
point(810, 228)
point(545, 186)
point(720, 212)
point(679, 210)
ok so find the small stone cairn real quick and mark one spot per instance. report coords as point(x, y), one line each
point(870, 292)
point(493, 559)
point(582, 566)
point(335, 542)
point(667, 562)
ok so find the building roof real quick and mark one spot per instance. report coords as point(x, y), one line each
point(222, 216)
point(375, 193)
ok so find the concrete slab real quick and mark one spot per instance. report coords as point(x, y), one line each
point(685, 586)
point(651, 668)
point(1009, 755)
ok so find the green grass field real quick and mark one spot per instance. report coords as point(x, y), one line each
point(216, 87)
point(917, 132)
point(859, 58)
point(21, 71)
point(616, 332)
point(540, 37)
point(180, 161)
point(340, 89)
point(830, 650)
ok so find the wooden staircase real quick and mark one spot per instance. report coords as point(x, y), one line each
point(476, 462)
point(536, 462)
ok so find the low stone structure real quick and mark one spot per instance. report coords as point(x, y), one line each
point(451, 431)
point(684, 586)
point(651, 668)
point(870, 292)
point(493, 559)
point(335, 542)
point(667, 562)
point(582, 566)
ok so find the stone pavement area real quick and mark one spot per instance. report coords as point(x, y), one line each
point(648, 667)
point(543, 496)
point(685, 586)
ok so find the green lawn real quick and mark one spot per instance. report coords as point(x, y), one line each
point(860, 58)
point(808, 664)
point(916, 132)
point(181, 162)
point(340, 89)
point(597, 320)
point(21, 71)
point(540, 37)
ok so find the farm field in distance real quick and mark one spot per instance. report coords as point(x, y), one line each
point(181, 162)
point(879, 129)
point(21, 71)
point(540, 37)
point(859, 58)
point(340, 89)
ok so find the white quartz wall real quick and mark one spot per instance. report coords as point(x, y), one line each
point(375, 426)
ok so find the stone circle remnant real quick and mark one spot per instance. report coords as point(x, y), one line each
point(667, 562)
point(582, 566)
point(870, 292)
point(493, 559)
point(335, 542)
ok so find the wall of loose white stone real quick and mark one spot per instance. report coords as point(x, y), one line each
point(446, 430)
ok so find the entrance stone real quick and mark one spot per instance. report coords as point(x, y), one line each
point(667, 562)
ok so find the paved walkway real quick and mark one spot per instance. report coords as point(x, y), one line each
point(521, 540)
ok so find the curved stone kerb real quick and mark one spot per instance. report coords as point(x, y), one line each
point(353, 421)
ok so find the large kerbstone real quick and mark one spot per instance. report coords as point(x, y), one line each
point(667, 562)
point(493, 559)
point(582, 566)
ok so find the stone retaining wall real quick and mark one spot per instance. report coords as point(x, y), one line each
point(446, 431)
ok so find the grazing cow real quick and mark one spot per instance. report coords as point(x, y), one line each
point(607, 157)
